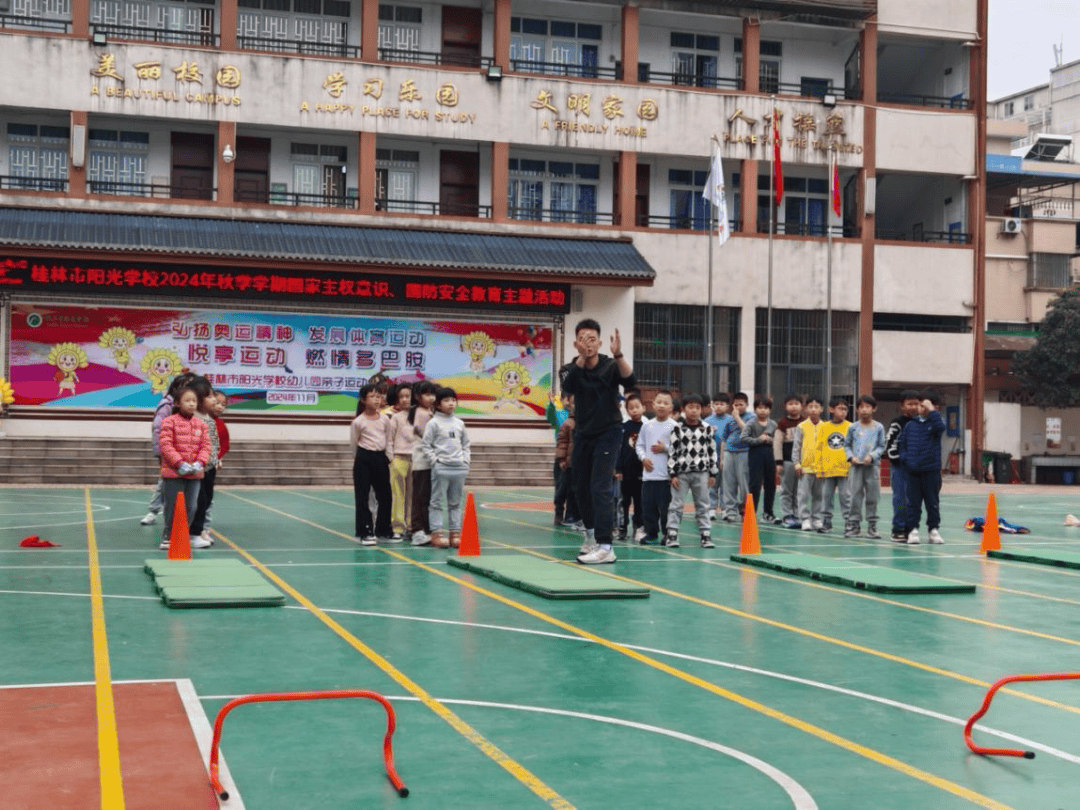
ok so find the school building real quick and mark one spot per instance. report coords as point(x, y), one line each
point(289, 195)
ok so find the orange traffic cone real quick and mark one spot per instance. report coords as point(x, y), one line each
point(750, 543)
point(180, 536)
point(470, 537)
point(991, 536)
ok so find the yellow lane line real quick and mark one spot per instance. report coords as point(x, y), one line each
point(794, 722)
point(112, 787)
point(511, 766)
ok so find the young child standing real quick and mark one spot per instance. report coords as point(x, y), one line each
point(446, 446)
point(806, 453)
point(833, 467)
point(920, 453)
point(556, 413)
point(564, 455)
point(758, 435)
point(653, 441)
point(163, 411)
point(736, 464)
point(423, 405)
point(368, 433)
point(909, 409)
point(628, 468)
point(692, 468)
point(185, 452)
point(721, 415)
point(783, 443)
point(399, 447)
point(205, 412)
point(864, 446)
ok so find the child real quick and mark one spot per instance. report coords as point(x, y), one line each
point(446, 446)
point(721, 408)
point(399, 447)
point(653, 441)
point(909, 409)
point(736, 464)
point(863, 446)
point(564, 454)
point(833, 466)
point(423, 405)
point(783, 442)
point(805, 452)
point(185, 452)
point(556, 414)
point(758, 435)
point(691, 467)
point(221, 401)
point(163, 411)
point(920, 453)
point(368, 433)
point(205, 412)
point(628, 468)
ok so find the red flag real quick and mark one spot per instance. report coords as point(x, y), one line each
point(778, 169)
point(835, 181)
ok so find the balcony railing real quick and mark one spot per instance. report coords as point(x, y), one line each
point(138, 33)
point(431, 207)
point(8, 181)
point(295, 198)
point(340, 50)
point(806, 229)
point(683, 223)
point(810, 90)
point(433, 58)
point(114, 188)
point(918, 235)
point(957, 102)
point(689, 79)
point(561, 215)
point(34, 23)
point(562, 69)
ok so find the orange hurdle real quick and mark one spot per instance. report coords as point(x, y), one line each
point(388, 752)
point(1008, 752)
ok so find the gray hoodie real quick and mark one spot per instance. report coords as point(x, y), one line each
point(445, 443)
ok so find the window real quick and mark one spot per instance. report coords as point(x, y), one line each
point(399, 27)
point(1009, 107)
point(670, 346)
point(1049, 271)
point(1029, 103)
point(117, 161)
point(569, 189)
point(37, 156)
point(798, 351)
point(805, 205)
point(769, 70)
point(308, 23)
point(189, 23)
point(555, 46)
point(694, 59)
point(904, 322)
point(319, 174)
point(810, 87)
point(395, 179)
point(688, 208)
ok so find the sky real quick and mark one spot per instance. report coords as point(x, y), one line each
point(1021, 40)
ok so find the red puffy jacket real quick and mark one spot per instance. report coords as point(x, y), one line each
point(183, 439)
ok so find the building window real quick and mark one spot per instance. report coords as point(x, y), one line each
point(798, 352)
point(1049, 271)
point(37, 156)
point(805, 206)
point(310, 21)
point(36, 9)
point(568, 189)
point(1029, 103)
point(319, 174)
point(395, 179)
point(117, 161)
point(688, 208)
point(1009, 107)
point(399, 28)
point(694, 59)
point(905, 322)
point(185, 22)
point(555, 47)
point(769, 69)
point(669, 347)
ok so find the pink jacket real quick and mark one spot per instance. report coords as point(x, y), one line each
point(183, 440)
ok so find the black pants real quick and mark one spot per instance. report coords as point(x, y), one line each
point(763, 471)
point(631, 493)
point(655, 502)
point(206, 497)
point(923, 488)
point(371, 470)
point(421, 499)
point(592, 473)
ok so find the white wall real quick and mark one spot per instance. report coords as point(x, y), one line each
point(930, 358)
point(924, 279)
point(956, 19)
point(1002, 427)
point(926, 141)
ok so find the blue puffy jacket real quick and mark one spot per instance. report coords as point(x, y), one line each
point(920, 443)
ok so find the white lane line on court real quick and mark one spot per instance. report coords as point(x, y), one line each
point(800, 797)
point(908, 707)
point(204, 737)
point(84, 595)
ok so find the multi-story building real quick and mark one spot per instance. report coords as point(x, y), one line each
point(253, 168)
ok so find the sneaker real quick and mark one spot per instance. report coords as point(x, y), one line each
point(913, 537)
point(807, 526)
point(438, 540)
point(639, 534)
point(872, 532)
point(899, 536)
point(648, 541)
point(368, 540)
point(619, 534)
point(207, 537)
point(936, 538)
point(818, 526)
point(730, 519)
point(558, 519)
point(589, 544)
point(421, 538)
point(792, 522)
point(712, 514)
point(671, 541)
point(396, 537)
point(768, 517)
point(197, 541)
point(598, 556)
point(455, 539)
point(706, 542)
point(576, 525)
point(149, 519)
point(852, 530)
point(164, 545)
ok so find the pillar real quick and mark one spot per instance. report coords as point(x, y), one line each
point(226, 136)
point(369, 34)
point(500, 34)
point(77, 174)
point(751, 56)
point(365, 158)
point(80, 18)
point(627, 181)
point(630, 38)
point(228, 25)
point(500, 178)
point(748, 193)
point(868, 61)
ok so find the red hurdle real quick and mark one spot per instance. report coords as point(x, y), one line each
point(1008, 752)
point(391, 724)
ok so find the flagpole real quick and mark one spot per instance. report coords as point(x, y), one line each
point(709, 389)
point(828, 284)
point(772, 227)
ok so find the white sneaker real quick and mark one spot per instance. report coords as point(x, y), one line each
point(598, 556)
point(712, 514)
point(818, 525)
point(421, 538)
point(936, 538)
point(639, 534)
point(149, 519)
point(197, 541)
point(368, 541)
point(913, 537)
point(207, 537)
point(807, 526)
point(164, 545)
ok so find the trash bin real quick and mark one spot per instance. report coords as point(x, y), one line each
point(1002, 463)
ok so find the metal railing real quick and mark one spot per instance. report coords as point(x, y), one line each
point(905, 235)
point(805, 229)
point(298, 47)
point(433, 58)
point(683, 223)
point(34, 23)
point(690, 79)
point(295, 198)
point(115, 188)
point(957, 102)
point(559, 215)
point(139, 33)
point(8, 181)
point(433, 208)
point(561, 69)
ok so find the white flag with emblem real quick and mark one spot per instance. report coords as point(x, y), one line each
point(716, 196)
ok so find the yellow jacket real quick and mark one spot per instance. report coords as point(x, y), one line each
point(819, 448)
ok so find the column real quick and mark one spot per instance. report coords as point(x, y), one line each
point(630, 38)
point(227, 25)
point(226, 136)
point(369, 34)
point(868, 61)
point(866, 296)
point(77, 174)
point(365, 158)
point(748, 193)
point(500, 46)
point(500, 178)
point(977, 207)
point(627, 181)
point(751, 56)
point(80, 18)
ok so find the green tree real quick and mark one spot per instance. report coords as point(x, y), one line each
point(1051, 368)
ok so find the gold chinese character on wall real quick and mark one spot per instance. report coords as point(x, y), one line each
point(228, 76)
point(335, 84)
point(612, 107)
point(804, 122)
point(408, 91)
point(543, 101)
point(447, 95)
point(648, 110)
point(739, 115)
point(188, 72)
point(579, 103)
point(373, 88)
point(106, 67)
point(834, 124)
point(148, 70)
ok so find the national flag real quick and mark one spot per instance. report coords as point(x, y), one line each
point(778, 168)
point(834, 181)
point(715, 194)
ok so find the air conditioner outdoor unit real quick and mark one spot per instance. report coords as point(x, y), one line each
point(1011, 225)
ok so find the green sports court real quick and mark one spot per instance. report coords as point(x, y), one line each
point(730, 686)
